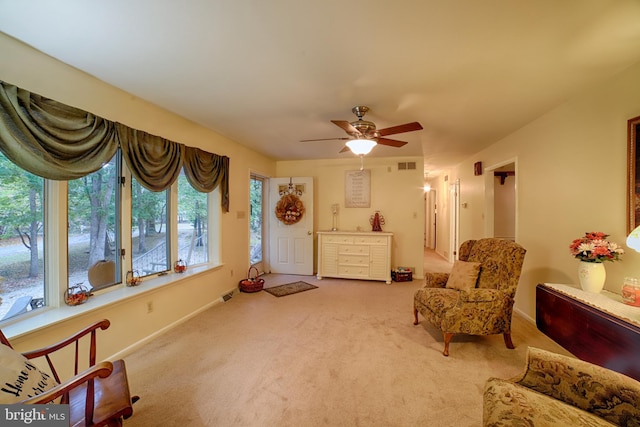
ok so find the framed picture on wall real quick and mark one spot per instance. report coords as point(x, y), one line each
point(633, 174)
point(357, 189)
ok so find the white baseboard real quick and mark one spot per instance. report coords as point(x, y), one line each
point(526, 316)
point(133, 347)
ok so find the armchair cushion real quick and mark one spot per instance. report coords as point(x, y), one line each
point(464, 275)
point(19, 378)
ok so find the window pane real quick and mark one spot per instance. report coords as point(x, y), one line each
point(193, 245)
point(149, 237)
point(21, 240)
point(93, 228)
point(255, 220)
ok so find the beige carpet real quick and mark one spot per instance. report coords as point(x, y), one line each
point(346, 354)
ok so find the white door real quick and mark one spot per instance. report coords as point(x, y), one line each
point(291, 244)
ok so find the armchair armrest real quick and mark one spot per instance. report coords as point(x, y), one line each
point(608, 394)
point(435, 280)
point(101, 370)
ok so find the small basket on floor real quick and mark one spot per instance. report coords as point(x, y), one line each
point(251, 284)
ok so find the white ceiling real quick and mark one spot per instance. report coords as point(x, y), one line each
point(270, 73)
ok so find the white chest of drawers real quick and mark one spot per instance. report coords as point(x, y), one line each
point(354, 255)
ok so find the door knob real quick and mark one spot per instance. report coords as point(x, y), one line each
point(309, 233)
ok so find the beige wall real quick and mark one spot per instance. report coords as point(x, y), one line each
point(397, 194)
point(41, 74)
point(571, 178)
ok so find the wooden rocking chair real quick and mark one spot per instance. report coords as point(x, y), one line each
point(97, 396)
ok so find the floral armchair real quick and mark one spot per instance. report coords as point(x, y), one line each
point(557, 390)
point(477, 297)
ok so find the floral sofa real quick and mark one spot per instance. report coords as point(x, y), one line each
point(557, 390)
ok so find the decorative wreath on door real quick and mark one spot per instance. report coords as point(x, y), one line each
point(289, 209)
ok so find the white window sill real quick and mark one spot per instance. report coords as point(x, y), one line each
point(47, 316)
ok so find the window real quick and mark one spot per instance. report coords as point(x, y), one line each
point(94, 228)
point(22, 279)
point(150, 245)
point(256, 198)
point(193, 209)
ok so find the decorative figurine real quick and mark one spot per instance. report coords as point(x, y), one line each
point(377, 221)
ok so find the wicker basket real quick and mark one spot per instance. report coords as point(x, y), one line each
point(251, 284)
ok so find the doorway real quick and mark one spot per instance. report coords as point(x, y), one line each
point(431, 218)
point(291, 232)
point(501, 201)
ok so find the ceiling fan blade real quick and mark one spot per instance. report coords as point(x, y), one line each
point(391, 142)
point(407, 127)
point(325, 139)
point(344, 149)
point(346, 126)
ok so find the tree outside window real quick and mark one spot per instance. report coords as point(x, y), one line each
point(149, 237)
point(93, 227)
point(21, 238)
point(193, 246)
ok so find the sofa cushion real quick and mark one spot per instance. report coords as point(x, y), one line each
point(510, 404)
point(464, 275)
point(19, 378)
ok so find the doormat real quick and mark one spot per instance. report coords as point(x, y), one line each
point(289, 289)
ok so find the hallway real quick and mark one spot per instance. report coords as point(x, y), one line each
point(434, 263)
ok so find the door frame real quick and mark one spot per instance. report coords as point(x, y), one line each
point(489, 196)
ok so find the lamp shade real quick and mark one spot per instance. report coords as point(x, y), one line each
point(633, 240)
point(361, 146)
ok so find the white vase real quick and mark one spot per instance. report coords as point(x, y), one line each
point(592, 276)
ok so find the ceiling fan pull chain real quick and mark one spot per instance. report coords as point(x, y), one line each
point(361, 162)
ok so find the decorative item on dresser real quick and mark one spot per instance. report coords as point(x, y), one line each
point(377, 221)
point(592, 250)
point(355, 255)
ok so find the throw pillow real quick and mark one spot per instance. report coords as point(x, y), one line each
point(19, 378)
point(464, 275)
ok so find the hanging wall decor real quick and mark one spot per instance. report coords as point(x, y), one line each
point(357, 189)
point(290, 208)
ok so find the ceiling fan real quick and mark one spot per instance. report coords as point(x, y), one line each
point(363, 135)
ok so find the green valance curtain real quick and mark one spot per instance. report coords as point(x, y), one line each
point(50, 139)
point(154, 161)
point(59, 142)
point(205, 171)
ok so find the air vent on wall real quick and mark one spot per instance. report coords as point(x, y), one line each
point(406, 166)
point(226, 297)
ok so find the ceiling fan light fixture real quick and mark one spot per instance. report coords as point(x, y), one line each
point(361, 147)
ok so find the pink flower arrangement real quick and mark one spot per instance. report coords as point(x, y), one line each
point(594, 247)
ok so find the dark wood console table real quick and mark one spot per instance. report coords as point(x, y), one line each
point(597, 328)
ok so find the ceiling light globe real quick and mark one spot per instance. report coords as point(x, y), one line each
point(361, 147)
